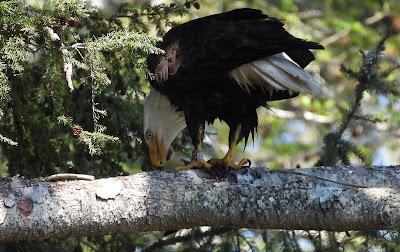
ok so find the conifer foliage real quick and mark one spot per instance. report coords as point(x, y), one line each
point(369, 78)
point(70, 83)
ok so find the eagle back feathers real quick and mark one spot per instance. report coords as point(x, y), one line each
point(199, 50)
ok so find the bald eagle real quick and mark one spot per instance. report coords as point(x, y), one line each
point(222, 66)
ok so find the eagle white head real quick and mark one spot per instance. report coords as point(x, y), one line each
point(162, 123)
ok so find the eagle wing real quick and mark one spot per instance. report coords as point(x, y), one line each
point(244, 44)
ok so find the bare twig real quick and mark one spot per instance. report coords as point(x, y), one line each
point(335, 37)
point(306, 115)
point(309, 14)
point(68, 176)
point(74, 46)
point(65, 54)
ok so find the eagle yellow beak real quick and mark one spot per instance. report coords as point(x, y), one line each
point(158, 152)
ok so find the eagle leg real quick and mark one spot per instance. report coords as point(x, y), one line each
point(227, 162)
point(197, 162)
point(218, 167)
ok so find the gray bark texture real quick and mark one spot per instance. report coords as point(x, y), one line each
point(363, 198)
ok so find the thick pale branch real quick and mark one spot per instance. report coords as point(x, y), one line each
point(254, 198)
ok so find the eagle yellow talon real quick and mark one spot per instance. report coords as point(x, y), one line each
point(200, 164)
point(244, 163)
point(228, 163)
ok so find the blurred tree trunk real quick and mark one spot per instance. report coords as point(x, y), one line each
point(254, 198)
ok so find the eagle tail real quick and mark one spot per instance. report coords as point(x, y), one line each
point(277, 72)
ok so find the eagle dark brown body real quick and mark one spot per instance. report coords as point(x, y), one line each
point(195, 73)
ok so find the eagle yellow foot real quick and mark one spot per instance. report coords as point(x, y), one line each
point(221, 167)
point(200, 164)
point(229, 164)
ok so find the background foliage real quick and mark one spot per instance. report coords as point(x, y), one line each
point(73, 78)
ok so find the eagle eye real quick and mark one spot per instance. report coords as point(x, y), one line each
point(149, 135)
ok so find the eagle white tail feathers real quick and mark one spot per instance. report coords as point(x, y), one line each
point(276, 72)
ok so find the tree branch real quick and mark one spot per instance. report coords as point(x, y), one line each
point(253, 198)
point(183, 238)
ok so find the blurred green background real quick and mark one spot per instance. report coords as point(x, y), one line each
point(96, 128)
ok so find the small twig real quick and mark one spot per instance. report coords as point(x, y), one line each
point(74, 46)
point(68, 176)
point(371, 120)
point(65, 54)
point(335, 37)
point(126, 15)
point(357, 103)
point(306, 115)
point(375, 18)
point(80, 54)
point(310, 14)
point(320, 178)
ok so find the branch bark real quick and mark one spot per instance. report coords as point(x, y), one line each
point(253, 198)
